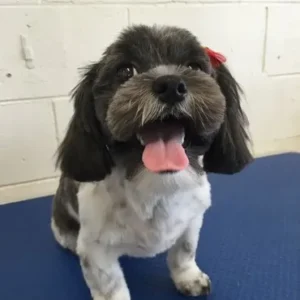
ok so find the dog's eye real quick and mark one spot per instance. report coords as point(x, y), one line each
point(126, 72)
point(195, 66)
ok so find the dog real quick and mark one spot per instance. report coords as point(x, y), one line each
point(151, 119)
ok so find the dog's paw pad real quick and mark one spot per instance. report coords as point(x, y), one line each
point(197, 285)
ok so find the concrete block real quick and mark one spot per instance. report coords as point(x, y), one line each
point(283, 40)
point(27, 141)
point(42, 31)
point(19, 2)
point(274, 106)
point(60, 39)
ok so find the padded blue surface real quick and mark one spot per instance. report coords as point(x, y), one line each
point(250, 244)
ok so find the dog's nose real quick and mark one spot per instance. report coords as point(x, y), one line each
point(170, 89)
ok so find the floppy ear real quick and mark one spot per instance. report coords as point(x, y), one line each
point(83, 154)
point(229, 152)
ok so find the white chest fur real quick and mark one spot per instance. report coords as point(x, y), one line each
point(142, 217)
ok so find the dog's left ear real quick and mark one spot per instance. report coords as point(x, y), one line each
point(229, 152)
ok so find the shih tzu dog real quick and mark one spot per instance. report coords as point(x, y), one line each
point(151, 119)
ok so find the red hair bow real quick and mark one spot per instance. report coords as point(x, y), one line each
point(216, 58)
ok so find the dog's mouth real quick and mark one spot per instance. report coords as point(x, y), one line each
point(164, 145)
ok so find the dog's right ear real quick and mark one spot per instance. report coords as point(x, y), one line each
point(83, 154)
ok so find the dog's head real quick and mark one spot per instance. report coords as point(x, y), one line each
point(154, 101)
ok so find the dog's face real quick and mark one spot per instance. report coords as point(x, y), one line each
point(154, 101)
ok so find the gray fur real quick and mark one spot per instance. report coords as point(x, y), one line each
point(135, 105)
point(65, 200)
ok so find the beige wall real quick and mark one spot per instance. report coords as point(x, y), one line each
point(261, 40)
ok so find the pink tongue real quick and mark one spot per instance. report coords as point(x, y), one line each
point(160, 155)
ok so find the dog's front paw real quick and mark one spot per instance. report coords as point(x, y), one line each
point(192, 281)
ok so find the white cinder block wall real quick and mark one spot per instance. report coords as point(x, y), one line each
point(261, 40)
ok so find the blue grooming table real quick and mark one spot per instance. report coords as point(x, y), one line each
point(250, 244)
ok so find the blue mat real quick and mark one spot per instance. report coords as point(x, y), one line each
point(250, 244)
